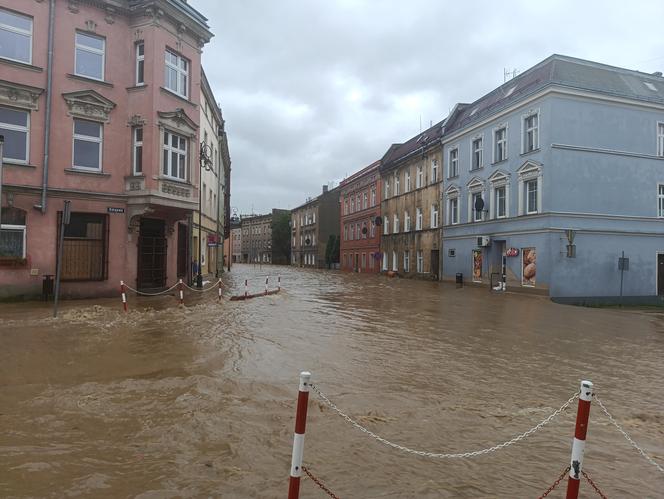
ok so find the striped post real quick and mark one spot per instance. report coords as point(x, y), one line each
point(181, 292)
point(124, 295)
point(278, 283)
point(266, 278)
point(579, 443)
point(246, 288)
point(219, 290)
point(298, 439)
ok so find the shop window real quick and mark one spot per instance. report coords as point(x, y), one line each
point(85, 248)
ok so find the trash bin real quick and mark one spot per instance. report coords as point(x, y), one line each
point(459, 280)
point(47, 286)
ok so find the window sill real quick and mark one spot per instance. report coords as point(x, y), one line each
point(89, 80)
point(132, 177)
point(453, 177)
point(183, 99)
point(530, 152)
point(13, 261)
point(18, 165)
point(499, 162)
point(476, 169)
point(21, 65)
point(79, 171)
point(142, 86)
point(176, 180)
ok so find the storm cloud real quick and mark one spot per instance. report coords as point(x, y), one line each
point(314, 90)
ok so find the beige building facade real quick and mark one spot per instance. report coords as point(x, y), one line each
point(411, 208)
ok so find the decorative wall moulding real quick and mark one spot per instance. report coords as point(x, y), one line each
point(17, 95)
point(89, 104)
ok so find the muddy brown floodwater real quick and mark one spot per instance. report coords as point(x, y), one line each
point(169, 402)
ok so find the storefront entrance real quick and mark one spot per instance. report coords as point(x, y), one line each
point(152, 254)
point(183, 246)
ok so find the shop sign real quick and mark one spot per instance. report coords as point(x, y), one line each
point(512, 252)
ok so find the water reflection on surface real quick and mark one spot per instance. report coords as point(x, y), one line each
point(199, 402)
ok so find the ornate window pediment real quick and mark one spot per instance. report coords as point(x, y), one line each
point(499, 177)
point(530, 169)
point(89, 105)
point(17, 95)
point(178, 121)
point(475, 184)
point(452, 191)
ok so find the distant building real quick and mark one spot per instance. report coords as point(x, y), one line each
point(312, 224)
point(411, 178)
point(360, 198)
point(257, 244)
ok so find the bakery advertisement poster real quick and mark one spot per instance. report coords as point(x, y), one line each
point(528, 266)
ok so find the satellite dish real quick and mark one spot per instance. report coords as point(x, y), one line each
point(307, 241)
point(378, 221)
point(479, 204)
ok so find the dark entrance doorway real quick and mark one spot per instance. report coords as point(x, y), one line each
point(152, 254)
point(660, 274)
point(183, 246)
point(435, 263)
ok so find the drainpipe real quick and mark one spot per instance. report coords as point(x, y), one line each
point(49, 84)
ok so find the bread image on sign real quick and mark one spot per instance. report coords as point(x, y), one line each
point(529, 266)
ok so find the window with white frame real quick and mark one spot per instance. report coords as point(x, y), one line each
point(385, 260)
point(352, 204)
point(478, 215)
point(453, 168)
point(15, 36)
point(660, 139)
point(434, 171)
point(140, 63)
point(406, 181)
point(373, 228)
point(137, 138)
point(406, 222)
point(500, 144)
point(396, 184)
point(358, 202)
point(386, 225)
point(477, 150)
point(175, 156)
point(453, 210)
point(15, 127)
point(12, 233)
point(176, 74)
point(420, 261)
point(406, 261)
point(395, 229)
point(434, 216)
point(365, 201)
point(395, 262)
point(88, 145)
point(373, 195)
point(387, 189)
point(345, 206)
point(90, 55)
point(345, 232)
point(531, 196)
point(364, 260)
point(500, 195)
point(352, 232)
point(531, 132)
point(660, 200)
point(418, 219)
point(419, 178)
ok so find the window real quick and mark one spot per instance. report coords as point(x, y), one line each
point(313, 217)
point(88, 143)
point(387, 189)
point(501, 201)
point(660, 201)
point(454, 210)
point(396, 184)
point(531, 133)
point(90, 56)
point(15, 36)
point(396, 224)
point(140, 63)
point(500, 145)
point(364, 230)
point(345, 233)
point(175, 156)
point(418, 219)
point(15, 126)
point(453, 169)
point(434, 171)
point(660, 139)
point(477, 150)
point(352, 204)
point(407, 181)
point(345, 206)
point(364, 260)
point(419, 179)
point(358, 203)
point(373, 228)
point(365, 201)
point(12, 233)
point(420, 262)
point(386, 225)
point(406, 222)
point(478, 215)
point(434, 216)
point(531, 197)
point(384, 260)
point(84, 250)
point(137, 133)
point(352, 232)
point(395, 263)
point(373, 195)
point(176, 73)
point(406, 261)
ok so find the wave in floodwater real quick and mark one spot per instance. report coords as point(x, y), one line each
point(199, 401)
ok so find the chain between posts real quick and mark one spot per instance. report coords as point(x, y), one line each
point(627, 437)
point(555, 484)
point(141, 293)
point(319, 483)
point(459, 455)
point(593, 485)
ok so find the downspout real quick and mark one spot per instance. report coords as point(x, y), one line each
point(49, 84)
point(219, 169)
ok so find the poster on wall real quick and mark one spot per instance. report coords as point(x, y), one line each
point(477, 265)
point(528, 266)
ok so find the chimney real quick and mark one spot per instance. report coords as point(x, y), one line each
point(324, 189)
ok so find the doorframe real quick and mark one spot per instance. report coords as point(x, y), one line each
point(657, 272)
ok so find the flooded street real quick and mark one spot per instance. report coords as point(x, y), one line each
point(170, 402)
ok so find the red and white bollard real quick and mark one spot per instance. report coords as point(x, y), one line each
point(266, 285)
point(181, 292)
point(298, 438)
point(579, 443)
point(278, 283)
point(246, 288)
point(124, 295)
point(219, 290)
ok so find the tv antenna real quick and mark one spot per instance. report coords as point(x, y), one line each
point(509, 74)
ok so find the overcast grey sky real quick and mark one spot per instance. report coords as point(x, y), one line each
point(314, 90)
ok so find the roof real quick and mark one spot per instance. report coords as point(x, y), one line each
point(364, 171)
point(422, 140)
point(561, 70)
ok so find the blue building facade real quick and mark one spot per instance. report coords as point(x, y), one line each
point(560, 170)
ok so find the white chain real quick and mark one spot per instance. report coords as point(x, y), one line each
point(203, 290)
point(627, 437)
point(442, 455)
point(151, 294)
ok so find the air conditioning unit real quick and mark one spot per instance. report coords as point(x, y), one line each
point(483, 241)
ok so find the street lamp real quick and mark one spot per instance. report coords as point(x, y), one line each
point(205, 163)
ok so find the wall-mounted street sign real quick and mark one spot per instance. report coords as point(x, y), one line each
point(512, 252)
point(112, 209)
point(623, 263)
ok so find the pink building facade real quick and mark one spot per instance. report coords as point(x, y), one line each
point(121, 143)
